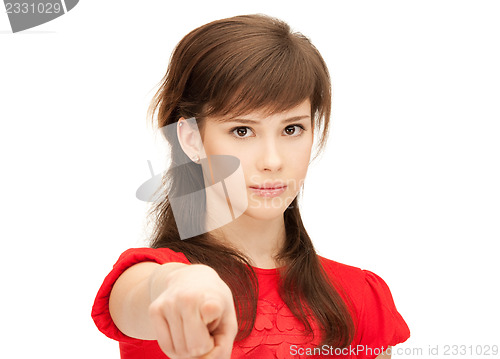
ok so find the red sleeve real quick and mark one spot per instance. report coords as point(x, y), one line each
point(100, 309)
point(380, 324)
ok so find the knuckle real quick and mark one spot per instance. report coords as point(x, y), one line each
point(169, 302)
point(234, 325)
point(183, 354)
point(187, 297)
point(197, 351)
point(154, 309)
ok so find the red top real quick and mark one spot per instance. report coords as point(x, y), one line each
point(277, 334)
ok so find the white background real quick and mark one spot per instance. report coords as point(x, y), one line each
point(407, 188)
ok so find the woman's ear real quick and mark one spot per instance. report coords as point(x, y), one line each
point(190, 139)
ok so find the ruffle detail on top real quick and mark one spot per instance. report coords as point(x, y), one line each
point(275, 331)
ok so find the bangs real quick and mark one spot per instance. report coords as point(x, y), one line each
point(271, 88)
point(271, 79)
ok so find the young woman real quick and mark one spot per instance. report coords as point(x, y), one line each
point(246, 96)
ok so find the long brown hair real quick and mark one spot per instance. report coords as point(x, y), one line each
point(235, 66)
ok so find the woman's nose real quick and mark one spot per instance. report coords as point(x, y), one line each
point(270, 156)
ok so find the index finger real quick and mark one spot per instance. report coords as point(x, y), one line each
point(224, 336)
point(198, 339)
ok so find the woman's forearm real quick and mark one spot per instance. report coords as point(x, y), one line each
point(131, 296)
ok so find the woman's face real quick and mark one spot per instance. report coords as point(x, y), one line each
point(274, 151)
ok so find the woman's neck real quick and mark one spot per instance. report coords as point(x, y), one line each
point(260, 240)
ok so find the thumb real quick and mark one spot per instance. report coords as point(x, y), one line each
point(211, 312)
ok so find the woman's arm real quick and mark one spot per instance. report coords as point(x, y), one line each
point(130, 297)
point(187, 308)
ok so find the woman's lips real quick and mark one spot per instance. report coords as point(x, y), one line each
point(268, 192)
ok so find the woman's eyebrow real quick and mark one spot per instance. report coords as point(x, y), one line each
point(247, 121)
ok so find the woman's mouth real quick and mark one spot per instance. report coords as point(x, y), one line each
point(269, 191)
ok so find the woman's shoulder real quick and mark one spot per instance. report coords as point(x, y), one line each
point(356, 282)
point(344, 273)
point(379, 322)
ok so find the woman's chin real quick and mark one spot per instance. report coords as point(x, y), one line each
point(265, 211)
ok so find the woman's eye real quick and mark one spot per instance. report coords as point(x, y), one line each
point(293, 133)
point(240, 132)
point(244, 132)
